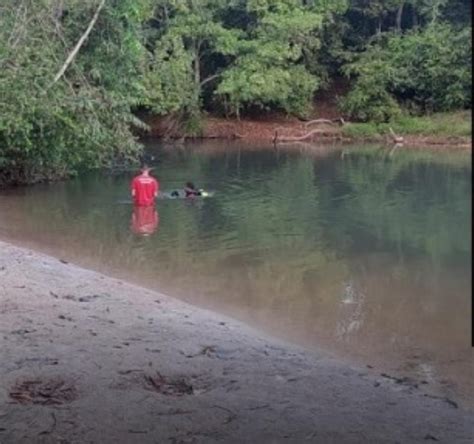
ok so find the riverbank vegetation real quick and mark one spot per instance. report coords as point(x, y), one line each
point(73, 74)
point(452, 124)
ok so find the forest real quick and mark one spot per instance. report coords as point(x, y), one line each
point(74, 75)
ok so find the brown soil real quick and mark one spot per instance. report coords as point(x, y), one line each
point(266, 127)
point(263, 128)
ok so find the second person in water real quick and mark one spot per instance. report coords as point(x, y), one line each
point(189, 190)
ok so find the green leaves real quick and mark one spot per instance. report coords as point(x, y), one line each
point(426, 69)
point(169, 81)
point(251, 82)
point(83, 120)
point(183, 56)
point(268, 69)
point(251, 50)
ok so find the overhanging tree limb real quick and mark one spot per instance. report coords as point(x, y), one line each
point(79, 43)
point(210, 79)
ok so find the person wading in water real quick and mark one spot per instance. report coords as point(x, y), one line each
point(144, 189)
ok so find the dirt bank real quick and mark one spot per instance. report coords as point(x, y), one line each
point(261, 128)
point(267, 128)
point(90, 359)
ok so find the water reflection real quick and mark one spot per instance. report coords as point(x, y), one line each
point(351, 311)
point(365, 254)
point(145, 220)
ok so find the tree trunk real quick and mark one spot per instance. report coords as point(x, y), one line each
point(399, 17)
point(197, 64)
point(197, 72)
point(58, 10)
point(414, 17)
point(379, 25)
point(435, 11)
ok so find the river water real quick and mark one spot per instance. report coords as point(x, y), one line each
point(362, 251)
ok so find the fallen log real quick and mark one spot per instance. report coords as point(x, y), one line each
point(339, 120)
point(306, 136)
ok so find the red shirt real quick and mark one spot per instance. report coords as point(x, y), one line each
point(144, 189)
point(145, 220)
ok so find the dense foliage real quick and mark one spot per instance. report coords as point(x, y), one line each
point(424, 70)
point(50, 128)
point(63, 109)
point(230, 55)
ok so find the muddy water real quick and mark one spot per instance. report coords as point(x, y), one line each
point(363, 251)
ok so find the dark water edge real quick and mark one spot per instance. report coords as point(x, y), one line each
point(361, 251)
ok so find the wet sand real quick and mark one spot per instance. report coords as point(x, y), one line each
point(90, 359)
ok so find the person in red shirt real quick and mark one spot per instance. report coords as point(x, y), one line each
point(144, 188)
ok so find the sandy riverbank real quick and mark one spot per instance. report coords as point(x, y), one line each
point(90, 359)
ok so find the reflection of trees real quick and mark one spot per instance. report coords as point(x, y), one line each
point(404, 203)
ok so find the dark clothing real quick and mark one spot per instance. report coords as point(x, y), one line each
point(191, 192)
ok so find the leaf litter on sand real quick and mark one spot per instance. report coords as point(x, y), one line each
point(52, 391)
point(168, 386)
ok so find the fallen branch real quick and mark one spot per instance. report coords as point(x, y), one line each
point(395, 138)
point(318, 122)
point(339, 120)
point(80, 42)
point(295, 139)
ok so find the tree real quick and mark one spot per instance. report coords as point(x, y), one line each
point(235, 54)
point(61, 114)
point(269, 69)
point(428, 70)
point(190, 37)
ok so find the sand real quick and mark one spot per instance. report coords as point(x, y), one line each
point(85, 358)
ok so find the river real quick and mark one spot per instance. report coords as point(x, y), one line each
point(362, 251)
